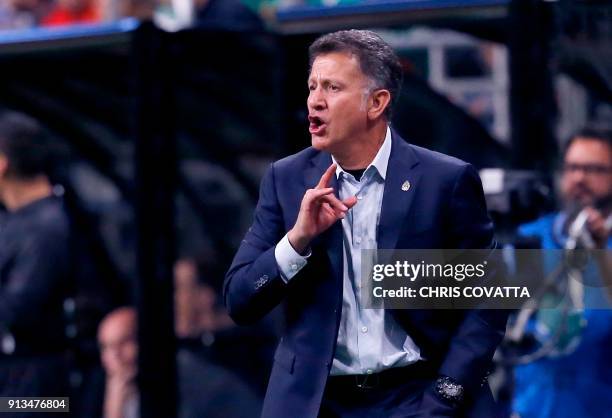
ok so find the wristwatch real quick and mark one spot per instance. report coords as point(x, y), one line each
point(449, 390)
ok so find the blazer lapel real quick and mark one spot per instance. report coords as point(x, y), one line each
point(401, 182)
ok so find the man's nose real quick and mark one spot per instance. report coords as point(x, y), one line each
point(315, 101)
point(578, 176)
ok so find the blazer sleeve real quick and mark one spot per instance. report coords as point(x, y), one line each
point(471, 350)
point(253, 285)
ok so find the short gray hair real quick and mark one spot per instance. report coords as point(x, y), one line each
point(377, 60)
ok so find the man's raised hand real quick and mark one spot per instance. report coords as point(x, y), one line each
point(319, 210)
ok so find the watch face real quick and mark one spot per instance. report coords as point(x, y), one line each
point(453, 390)
point(449, 389)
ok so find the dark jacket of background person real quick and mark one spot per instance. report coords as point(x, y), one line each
point(34, 272)
point(444, 208)
point(35, 266)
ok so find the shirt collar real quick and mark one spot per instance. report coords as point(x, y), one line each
point(380, 161)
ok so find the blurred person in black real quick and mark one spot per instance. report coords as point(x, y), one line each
point(34, 265)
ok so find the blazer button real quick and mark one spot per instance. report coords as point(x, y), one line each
point(259, 283)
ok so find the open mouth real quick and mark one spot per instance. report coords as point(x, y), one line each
point(317, 125)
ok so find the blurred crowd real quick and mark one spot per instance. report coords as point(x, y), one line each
point(228, 14)
point(20, 14)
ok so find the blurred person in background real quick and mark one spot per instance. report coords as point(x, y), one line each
point(119, 354)
point(574, 379)
point(22, 14)
point(66, 12)
point(195, 303)
point(205, 329)
point(34, 265)
point(205, 389)
point(117, 9)
point(221, 15)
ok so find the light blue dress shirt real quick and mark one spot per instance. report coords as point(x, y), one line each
point(369, 340)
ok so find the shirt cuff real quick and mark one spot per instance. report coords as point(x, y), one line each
point(289, 261)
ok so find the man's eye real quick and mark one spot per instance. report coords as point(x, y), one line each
point(311, 87)
point(334, 88)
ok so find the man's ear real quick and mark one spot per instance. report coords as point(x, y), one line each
point(378, 102)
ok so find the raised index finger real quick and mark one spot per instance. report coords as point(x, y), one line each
point(326, 177)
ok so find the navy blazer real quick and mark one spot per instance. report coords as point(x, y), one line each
point(444, 208)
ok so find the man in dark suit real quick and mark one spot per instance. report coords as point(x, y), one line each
point(361, 186)
point(35, 271)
